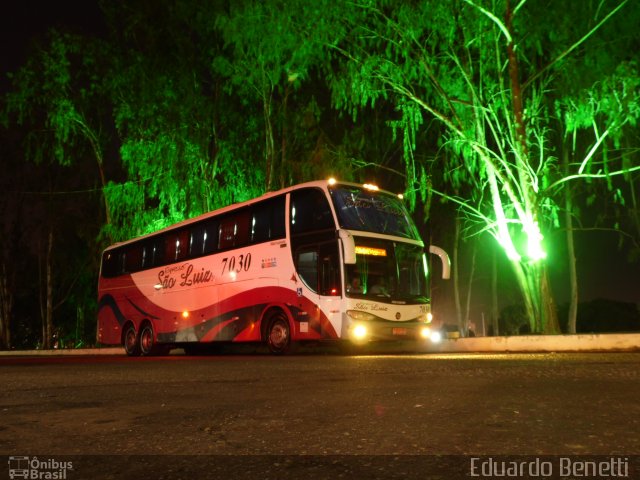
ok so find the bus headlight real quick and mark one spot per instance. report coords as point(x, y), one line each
point(436, 336)
point(425, 332)
point(359, 332)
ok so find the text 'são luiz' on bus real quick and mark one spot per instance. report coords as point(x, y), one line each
point(318, 261)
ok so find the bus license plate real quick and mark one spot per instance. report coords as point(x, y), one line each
point(399, 331)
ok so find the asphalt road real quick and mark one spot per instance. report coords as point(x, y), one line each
point(292, 415)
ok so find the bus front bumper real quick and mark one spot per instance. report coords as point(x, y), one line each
point(380, 330)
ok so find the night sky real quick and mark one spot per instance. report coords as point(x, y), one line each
point(23, 22)
point(603, 270)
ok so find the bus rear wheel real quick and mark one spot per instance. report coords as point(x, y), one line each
point(147, 340)
point(278, 334)
point(130, 341)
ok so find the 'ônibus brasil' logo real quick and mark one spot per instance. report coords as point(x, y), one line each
point(184, 275)
point(35, 468)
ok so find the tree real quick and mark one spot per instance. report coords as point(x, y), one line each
point(56, 100)
point(184, 146)
point(595, 104)
point(10, 204)
point(458, 63)
point(271, 50)
point(59, 95)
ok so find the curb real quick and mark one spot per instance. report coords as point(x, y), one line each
point(63, 352)
point(607, 342)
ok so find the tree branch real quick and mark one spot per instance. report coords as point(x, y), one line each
point(592, 175)
point(574, 46)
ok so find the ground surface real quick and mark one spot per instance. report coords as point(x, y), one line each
point(303, 406)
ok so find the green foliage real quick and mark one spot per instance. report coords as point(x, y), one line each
point(263, 49)
point(57, 99)
point(614, 102)
point(185, 144)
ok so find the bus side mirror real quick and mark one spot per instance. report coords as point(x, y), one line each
point(444, 258)
point(348, 247)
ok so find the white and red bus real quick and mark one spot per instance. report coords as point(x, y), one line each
point(318, 261)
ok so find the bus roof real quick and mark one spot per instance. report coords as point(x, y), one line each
point(316, 183)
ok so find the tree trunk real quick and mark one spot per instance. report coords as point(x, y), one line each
point(283, 153)
point(573, 276)
point(103, 180)
point(269, 141)
point(516, 90)
point(456, 275)
point(539, 304)
point(467, 312)
point(634, 210)
point(549, 309)
point(494, 295)
point(47, 308)
point(6, 305)
point(93, 139)
point(533, 277)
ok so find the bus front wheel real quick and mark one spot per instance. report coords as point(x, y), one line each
point(278, 334)
point(130, 341)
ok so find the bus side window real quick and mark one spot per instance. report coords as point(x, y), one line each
point(307, 266)
point(133, 258)
point(197, 240)
point(330, 270)
point(110, 264)
point(169, 248)
point(176, 246)
point(234, 230)
point(226, 234)
point(267, 222)
point(121, 258)
point(319, 268)
point(243, 223)
point(277, 219)
point(204, 238)
point(210, 237)
point(310, 211)
point(151, 256)
point(182, 245)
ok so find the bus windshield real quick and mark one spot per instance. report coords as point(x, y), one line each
point(387, 271)
point(372, 211)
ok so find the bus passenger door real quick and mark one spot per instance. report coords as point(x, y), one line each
point(330, 297)
point(318, 268)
